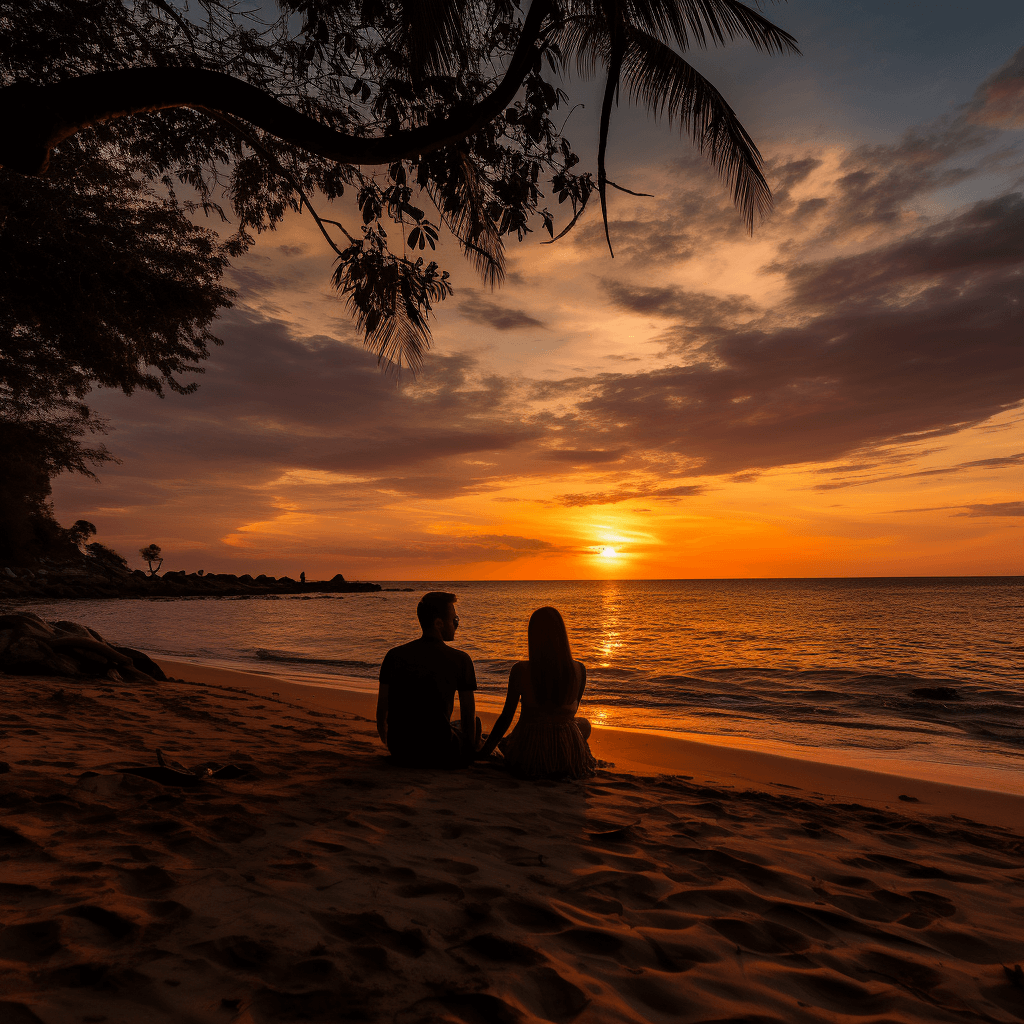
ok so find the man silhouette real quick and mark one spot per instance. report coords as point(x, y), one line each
point(418, 683)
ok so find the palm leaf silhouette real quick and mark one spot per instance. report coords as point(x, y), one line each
point(634, 38)
point(461, 201)
point(659, 79)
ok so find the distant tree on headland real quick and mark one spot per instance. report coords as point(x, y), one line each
point(150, 555)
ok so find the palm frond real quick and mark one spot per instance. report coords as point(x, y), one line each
point(659, 79)
point(611, 88)
point(690, 23)
point(583, 30)
point(433, 34)
point(396, 339)
point(586, 35)
point(461, 201)
point(391, 299)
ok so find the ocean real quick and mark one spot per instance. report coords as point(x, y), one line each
point(824, 669)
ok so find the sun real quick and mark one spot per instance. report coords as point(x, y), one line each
point(606, 552)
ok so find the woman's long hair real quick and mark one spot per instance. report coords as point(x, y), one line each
point(551, 668)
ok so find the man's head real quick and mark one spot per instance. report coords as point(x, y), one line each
point(436, 612)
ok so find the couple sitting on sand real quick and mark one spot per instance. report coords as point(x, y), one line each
point(419, 680)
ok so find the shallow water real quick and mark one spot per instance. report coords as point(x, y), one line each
point(796, 665)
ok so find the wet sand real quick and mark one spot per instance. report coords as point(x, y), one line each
point(689, 883)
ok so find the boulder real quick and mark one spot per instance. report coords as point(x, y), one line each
point(30, 657)
point(70, 645)
point(338, 579)
point(143, 663)
point(64, 626)
point(27, 624)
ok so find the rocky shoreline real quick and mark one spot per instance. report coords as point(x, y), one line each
point(71, 581)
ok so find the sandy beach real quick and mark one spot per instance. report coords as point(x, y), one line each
point(687, 883)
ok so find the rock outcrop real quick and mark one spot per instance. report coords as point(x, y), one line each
point(30, 646)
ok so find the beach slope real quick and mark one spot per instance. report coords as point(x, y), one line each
point(325, 884)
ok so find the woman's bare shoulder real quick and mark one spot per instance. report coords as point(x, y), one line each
point(520, 668)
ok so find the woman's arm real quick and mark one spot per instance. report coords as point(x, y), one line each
point(507, 713)
point(583, 681)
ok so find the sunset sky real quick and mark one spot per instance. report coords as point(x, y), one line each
point(837, 396)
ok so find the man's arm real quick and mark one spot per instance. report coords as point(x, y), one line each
point(467, 709)
point(382, 713)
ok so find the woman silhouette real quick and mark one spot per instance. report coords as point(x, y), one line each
point(549, 741)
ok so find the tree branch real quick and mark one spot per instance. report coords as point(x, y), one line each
point(35, 118)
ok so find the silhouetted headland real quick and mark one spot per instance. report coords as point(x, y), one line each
point(89, 578)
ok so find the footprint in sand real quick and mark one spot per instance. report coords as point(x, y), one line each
point(456, 867)
point(430, 887)
point(505, 951)
point(236, 952)
point(364, 929)
point(111, 925)
point(533, 917)
point(145, 881)
point(31, 942)
point(769, 937)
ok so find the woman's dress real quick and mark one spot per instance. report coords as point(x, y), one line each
point(547, 743)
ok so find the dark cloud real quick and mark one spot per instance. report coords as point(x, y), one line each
point(691, 308)
point(455, 549)
point(641, 242)
point(492, 314)
point(913, 338)
point(880, 180)
point(1003, 462)
point(999, 101)
point(996, 509)
point(986, 239)
point(991, 510)
point(784, 175)
point(582, 456)
point(626, 494)
point(269, 402)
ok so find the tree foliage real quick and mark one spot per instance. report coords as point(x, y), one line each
point(34, 451)
point(151, 556)
point(410, 103)
point(104, 282)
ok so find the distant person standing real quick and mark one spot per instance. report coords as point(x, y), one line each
point(302, 578)
point(418, 683)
